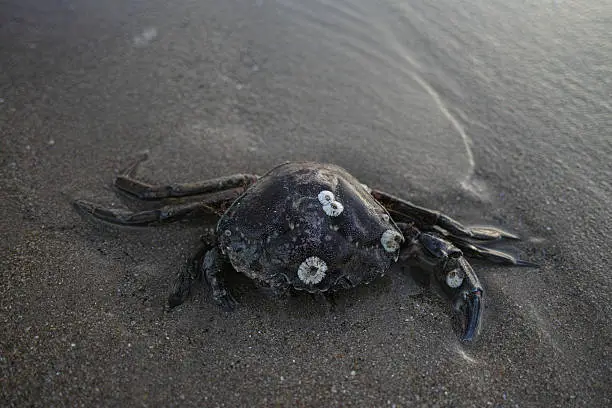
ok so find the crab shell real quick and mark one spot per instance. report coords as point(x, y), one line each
point(309, 226)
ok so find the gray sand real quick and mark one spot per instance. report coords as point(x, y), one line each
point(516, 137)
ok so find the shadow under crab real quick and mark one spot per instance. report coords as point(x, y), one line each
point(313, 227)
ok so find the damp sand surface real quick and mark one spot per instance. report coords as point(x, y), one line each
point(495, 115)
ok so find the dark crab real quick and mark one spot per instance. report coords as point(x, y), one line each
point(314, 227)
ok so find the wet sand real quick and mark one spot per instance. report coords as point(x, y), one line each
point(225, 88)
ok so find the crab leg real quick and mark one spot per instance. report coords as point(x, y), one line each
point(181, 287)
point(209, 263)
point(404, 210)
point(143, 191)
point(208, 205)
point(212, 266)
point(478, 251)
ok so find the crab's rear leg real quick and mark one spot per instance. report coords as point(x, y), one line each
point(405, 211)
point(127, 183)
point(214, 204)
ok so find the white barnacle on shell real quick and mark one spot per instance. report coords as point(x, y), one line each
point(333, 209)
point(391, 240)
point(454, 278)
point(312, 270)
point(326, 197)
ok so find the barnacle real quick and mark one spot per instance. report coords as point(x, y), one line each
point(312, 270)
point(326, 197)
point(454, 278)
point(333, 209)
point(391, 240)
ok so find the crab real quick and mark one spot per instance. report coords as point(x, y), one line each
point(313, 227)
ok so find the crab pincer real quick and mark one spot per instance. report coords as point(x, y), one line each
point(467, 302)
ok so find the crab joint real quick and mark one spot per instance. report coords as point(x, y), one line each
point(312, 270)
point(391, 240)
point(454, 278)
point(333, 209)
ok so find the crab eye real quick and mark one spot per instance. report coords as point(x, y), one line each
point(391, 240)
point(326, 197)
point(454, 278)
point(312, 270)
point(333, 209)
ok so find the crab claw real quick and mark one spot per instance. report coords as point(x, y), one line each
point(467, 300)
point(456, 277)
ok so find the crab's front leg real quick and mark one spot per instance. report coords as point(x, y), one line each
point(213, 266)
point(446, 263)
point(467, 299)
point(209, 263)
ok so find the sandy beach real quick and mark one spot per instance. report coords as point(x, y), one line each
point(497, 115)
